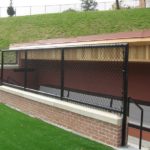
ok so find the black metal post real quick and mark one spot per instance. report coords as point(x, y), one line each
point(111, 102)
point(141, 130)
point(2, 66)
point(62, 74)
point(141, 122)
point(125, 96)
point(128, 106)
point(25, 70)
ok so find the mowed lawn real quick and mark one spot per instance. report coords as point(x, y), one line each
point(71, 24)
point(21, 132)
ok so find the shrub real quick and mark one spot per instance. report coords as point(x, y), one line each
point(70, 10)
point(10, 11)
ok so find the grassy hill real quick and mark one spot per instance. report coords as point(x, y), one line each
point(30, 28)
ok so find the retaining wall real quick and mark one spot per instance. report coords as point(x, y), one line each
point(95, 124)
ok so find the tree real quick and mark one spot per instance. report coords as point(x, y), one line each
point(88, 5)
point(117, 4)
point(10, 10)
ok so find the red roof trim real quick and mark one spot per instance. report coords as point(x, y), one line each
point(102, 37)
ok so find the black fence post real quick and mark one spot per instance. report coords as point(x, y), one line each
point(2, 66)
point(141, 129)
point(141, 121)
point(62, 74)
point(128, 106)
point(25, 70)
point(125, 95)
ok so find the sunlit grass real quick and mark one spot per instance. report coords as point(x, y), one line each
point(71, 24)
point(21, 132)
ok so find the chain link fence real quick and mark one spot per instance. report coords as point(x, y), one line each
point(88, 75)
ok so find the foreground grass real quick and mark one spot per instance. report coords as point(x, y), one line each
point(30, 28)
point(21, 132)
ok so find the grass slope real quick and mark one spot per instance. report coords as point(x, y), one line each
point(30, 28)
point(21, 132)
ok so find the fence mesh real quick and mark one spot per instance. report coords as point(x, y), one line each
point(13, 72)
point(94, 75)
point(44, 70)
point(88, 75)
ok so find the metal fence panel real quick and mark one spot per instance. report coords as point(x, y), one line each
point(43, 71)
point(94, 76)
point(13, 68)
point(89, 75)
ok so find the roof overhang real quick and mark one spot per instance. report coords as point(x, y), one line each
point(133, 38)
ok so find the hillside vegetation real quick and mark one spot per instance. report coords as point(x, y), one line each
point(71, 24)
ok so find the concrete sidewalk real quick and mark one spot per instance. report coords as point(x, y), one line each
point(133, 144)
point(133, 141)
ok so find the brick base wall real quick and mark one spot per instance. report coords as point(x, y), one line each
point(92, 128)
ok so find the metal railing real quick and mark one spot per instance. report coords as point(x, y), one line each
point(130, 100)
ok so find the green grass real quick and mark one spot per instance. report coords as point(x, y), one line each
point(71, 24)
point(21, 132)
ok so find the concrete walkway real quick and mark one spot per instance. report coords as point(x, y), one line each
point(133, 144)
point(129, 147)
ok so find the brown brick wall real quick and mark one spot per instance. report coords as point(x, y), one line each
point(92, 128)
